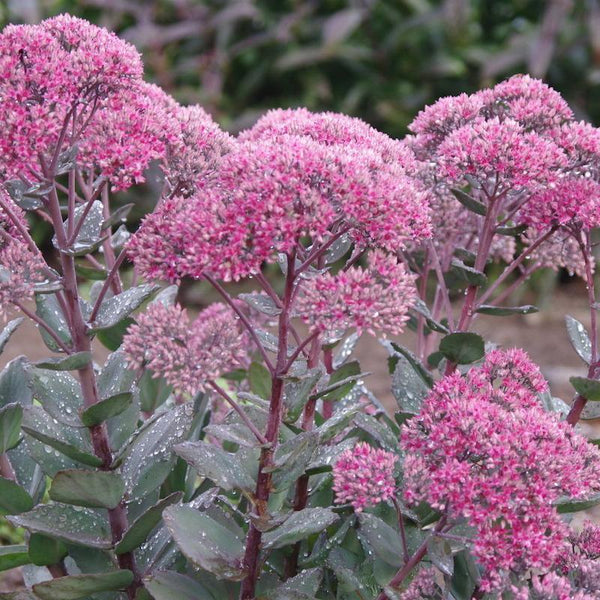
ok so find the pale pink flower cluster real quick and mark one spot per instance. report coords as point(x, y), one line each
point(483, 448)
point(364, 476)
point(551, 587)
point(274, 189)
point(187, 354)
point(374, 298)
point(422, 587)
point(20, 268)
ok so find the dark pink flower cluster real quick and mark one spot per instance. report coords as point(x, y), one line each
point(274, 189)
point(483, 448)
point(187, 354)
point(364, 476)
point(374, 298)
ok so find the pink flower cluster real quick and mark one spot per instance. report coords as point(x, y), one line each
point(422, 587)
point(374, 298)
point(275, 188)
point(20, 268)
point(187, 354)
point(551, 587)
point(364, 476)
point(483, 448)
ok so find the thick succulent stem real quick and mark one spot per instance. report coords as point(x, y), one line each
point(263, 485)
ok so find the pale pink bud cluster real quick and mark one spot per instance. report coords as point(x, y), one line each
point(483, 448)
point(422, 587)
point(20, 268)
point(374, 298)
point(551, 587)
point(187, 354)
point(364, 476)
point(271, 192)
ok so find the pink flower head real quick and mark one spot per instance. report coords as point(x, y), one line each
point(375, 298)
point(501, 156)
point(194, 155)
point(529, 101)
point(187, 354)
point(329, 129)
point(438, 120)
point(268, 196)
point(62, 66)
point(364, 476)
point(572, 202)
point(483, 448)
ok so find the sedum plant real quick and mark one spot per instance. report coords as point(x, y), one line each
point(237, 453)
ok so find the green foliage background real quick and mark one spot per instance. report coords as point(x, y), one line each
point(381, 60)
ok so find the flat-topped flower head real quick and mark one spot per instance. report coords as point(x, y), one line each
point(364, 476)
point(188, 354)
point(271, 195)
point(551, 587)
point(501, 156)
point(373, 299)
point(484, 449)
point(329, 129)
point(529, 101)
point(423, 586)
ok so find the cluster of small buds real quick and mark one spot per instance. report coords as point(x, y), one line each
point(246, 214)
point(483, 448)
point(423, 586)
point(374, 298)
point(187, 354)
point(364, 476)
point(551, 587)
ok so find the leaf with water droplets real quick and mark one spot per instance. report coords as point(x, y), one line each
point(297, 390)
point(341, 382)
point(579, 338)
point(118, 216)
point(586, 387)
point(505, 311)
point(106, 409)
point(148, 458)
point(338, 249)
point(168, 585)
point(13, 498)
point(67, 523)
point(262, 303)
point(94, 489)
point(13, 556)
point(8, 330)
point(10, 426)
point(469, 202)
point(440, 554)
point(15, 383)
point(421, 308)
point(206, 542)
point(303, 586)
point(460, 275)
point(292, 459)
point(49, 310)
point(141, 528)
point(39, 425)
point(298, 526)
point(74, 587)
point(210, 461)
point(88, 237)
point(383, 540)
point(73, 362)
point(59, 393)
point(116, 308)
